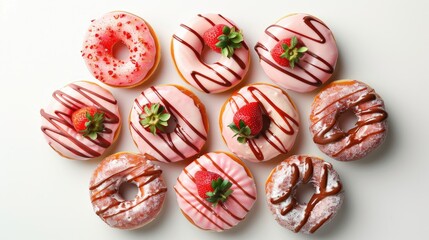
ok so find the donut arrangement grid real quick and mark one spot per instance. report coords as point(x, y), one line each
point(258, 122)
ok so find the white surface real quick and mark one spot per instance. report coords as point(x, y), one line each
point(383, 43)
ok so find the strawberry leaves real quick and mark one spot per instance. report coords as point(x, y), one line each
point(221, 191)
point(242, 131)
point(229, 41)
point(292, 52)
point(94, 125)
point(154, 118)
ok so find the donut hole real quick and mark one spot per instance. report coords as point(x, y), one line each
point(304, 192)
point(347, 120)
point(128, 191)
point(120, 51)
point(209, 56)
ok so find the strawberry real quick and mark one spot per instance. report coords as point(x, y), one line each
point(154, 118)
point(248, 122)
point(287, 52)
point(88, 121)
point(223, 39)
point(212, 187)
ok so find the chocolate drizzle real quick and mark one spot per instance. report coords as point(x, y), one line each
point(330, 132)
point(321, 192)
point(61, 121)
point(311, 78)
point(199, 77)
point(286, 126)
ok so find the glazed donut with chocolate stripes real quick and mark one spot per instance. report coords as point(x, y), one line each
point(108, 203)
point(279, 132)
point(57, 125)
point(187, 111)
point(371, 127)
point(317, 64)
point(283, 182)
point(224, 215)
point(132, 31)
point(187, 46)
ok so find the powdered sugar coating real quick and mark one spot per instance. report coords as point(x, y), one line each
point(109, 204)
point(322, 207)
point(370, 130)
point(283, 127)
point(190, 133)
point(132, 31)
point(225, 215)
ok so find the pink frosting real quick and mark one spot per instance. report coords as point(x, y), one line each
point(200, 211)
point(58, 128)
point(187, 47)
point(315, 67)
point(189, 135)
point(132, 31)
point(281, 133)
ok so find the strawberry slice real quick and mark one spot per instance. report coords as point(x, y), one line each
point(89, 121)
point(287, 52)
point(248, 122)
point(154, 118)
point(212, 187)
point(223, 39)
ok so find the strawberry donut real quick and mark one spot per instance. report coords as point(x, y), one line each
point(259, 122)
point(132, 31)
point(371, 127)
point(298, 52)
point(81, 121)
point(287, 177)
point(111, 206)
point(168, 123)
point(219, 34)
point(216, 191)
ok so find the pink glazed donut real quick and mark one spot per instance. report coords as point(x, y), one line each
point(132, 31)
point(371, 127)
point(283, 182)
point(109, 204)
point(187, 46)
point(317, 64)
point(57, 125)
point(225, 215)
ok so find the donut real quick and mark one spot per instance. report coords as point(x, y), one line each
point(188, 125)
point(286, 178)
point(57, 124)
point(132, 31)
point(371, 127)
point(280, 122)
point(108, 203)
point(209, 215)
point(315, 66)
point(187, 46)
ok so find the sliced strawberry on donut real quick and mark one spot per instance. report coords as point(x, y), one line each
point(287, 52)
point(248, 122)
point(223, 39)
point(154, 118)
point(212, 187)
point(89, 121)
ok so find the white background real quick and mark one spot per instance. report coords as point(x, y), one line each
point(383, 43)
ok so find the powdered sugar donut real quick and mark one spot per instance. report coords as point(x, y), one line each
point(281, 186)
point(316, 65)
point(136, 34)
point(371, 127)
point(108, 203)
point(280, 128)
point(187, 46)
point(58, 128)
point(189, 134)
point(226, 214)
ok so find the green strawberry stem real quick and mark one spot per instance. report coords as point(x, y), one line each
point(221, 191)
point(292, 52)
point(229, 41)
point(94, 125)
point(243, 131)
point(154, 118)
